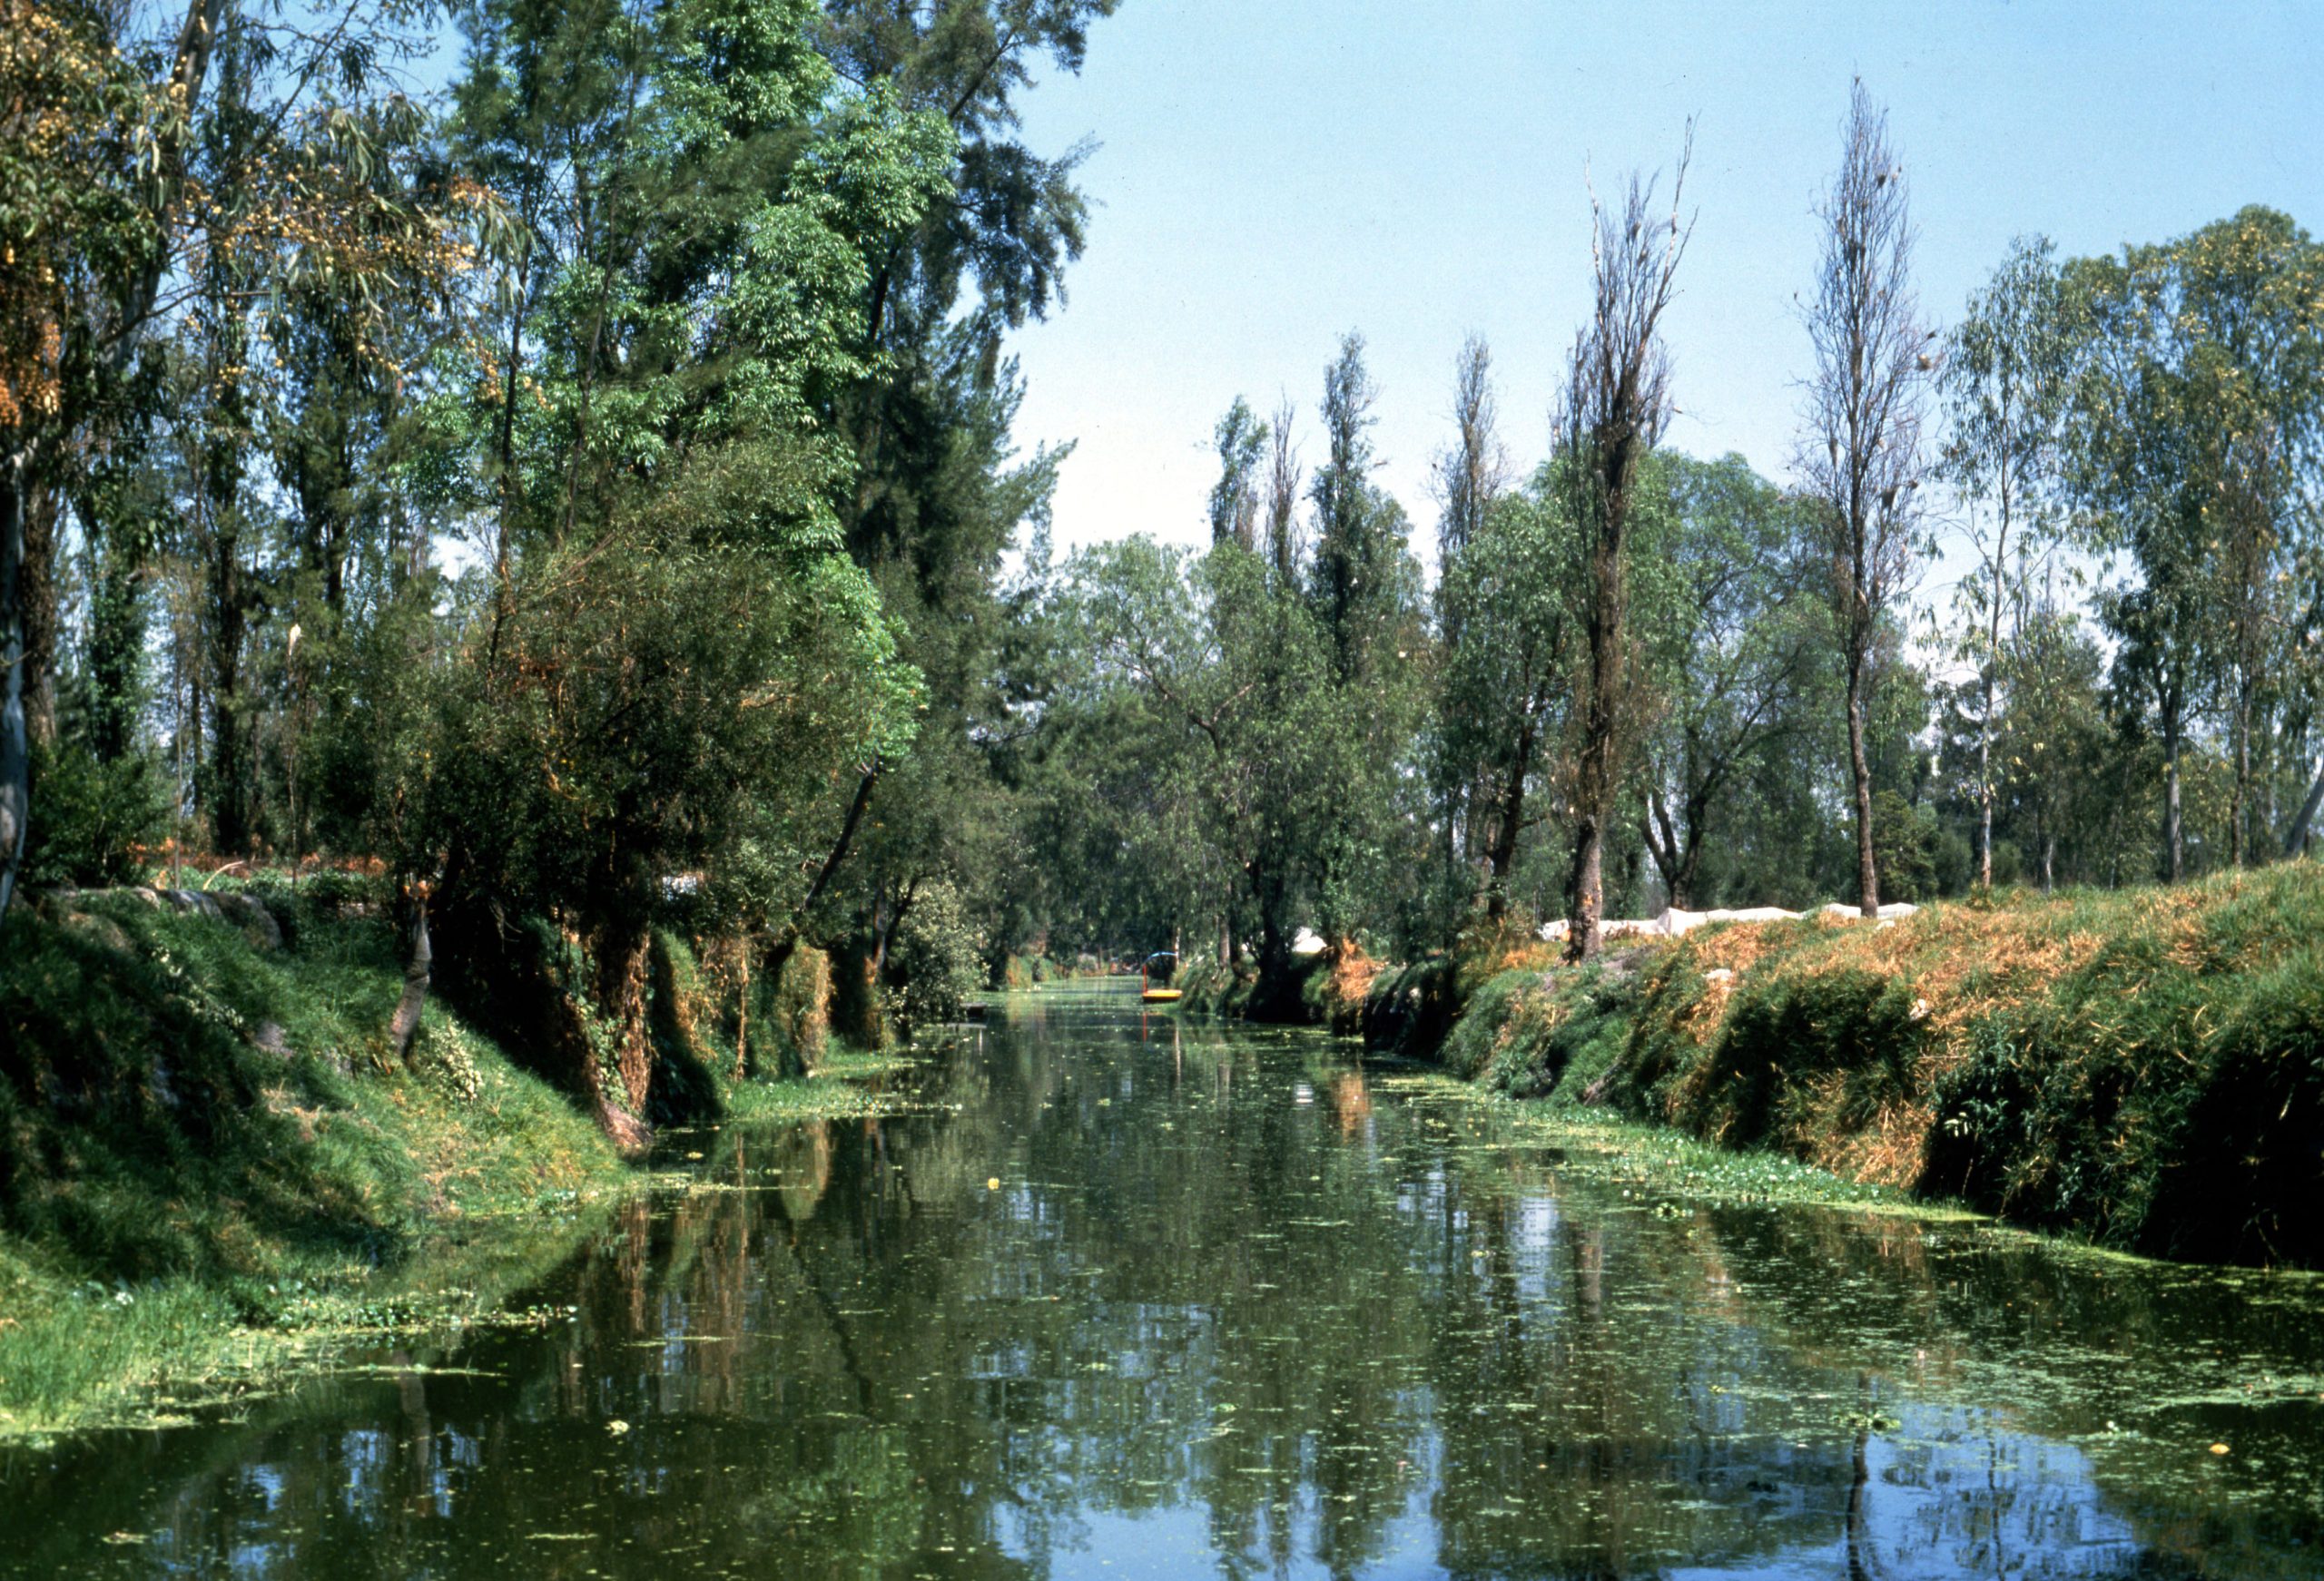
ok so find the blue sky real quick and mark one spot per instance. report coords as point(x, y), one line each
point(1271, 175)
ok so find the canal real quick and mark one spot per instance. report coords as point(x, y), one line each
point(1112, 1297)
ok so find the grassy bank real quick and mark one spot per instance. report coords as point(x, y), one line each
point(1322, 989)
point(2145, 1068)
point(210, 1166)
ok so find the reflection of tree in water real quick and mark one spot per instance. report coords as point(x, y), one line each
point(2048, 1342)
point(1215, 1271)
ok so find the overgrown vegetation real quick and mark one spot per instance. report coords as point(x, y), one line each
point(2145, 1068)
point(1020, 972)
point(212, 1159)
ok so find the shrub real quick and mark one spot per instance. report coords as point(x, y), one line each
point(937, 959)
point(798, 1013)
point(91, 819)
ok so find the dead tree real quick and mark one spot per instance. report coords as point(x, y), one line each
point(1861, 454)
point(1616, 401)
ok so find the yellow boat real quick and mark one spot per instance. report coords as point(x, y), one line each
point(1148, 990)
point(1157, 995)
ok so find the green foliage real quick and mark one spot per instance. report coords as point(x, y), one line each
point(798, 1013)
point(938, 959)
point(1906, 843)
point(2199, 419)
point(1531, 1033)
point(97, 820)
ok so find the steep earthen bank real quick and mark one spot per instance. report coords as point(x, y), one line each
point(2144, 1067)
point(212, 1155)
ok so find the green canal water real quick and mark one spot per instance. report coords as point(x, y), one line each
point(1119, 1297)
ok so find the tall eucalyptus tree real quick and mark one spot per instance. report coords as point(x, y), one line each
point(2006, 373)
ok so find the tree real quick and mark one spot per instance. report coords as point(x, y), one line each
point(2202, 408)
point(688, 314)
point(1472, 472)
point(2006, 375)
point(1730, 647)
point(1616, 401)
point(1240, 439)
point(2052, 738)
point(1357, 530)
point(1507, 685)
point(1471, 476)
point(1861, 456)
point(158, 188)
point(1238, 672)
point(1364, 588)
point(936, 494)
point(1283, 496)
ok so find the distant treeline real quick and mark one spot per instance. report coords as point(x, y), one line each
point(587, 493)
point(1644, 679)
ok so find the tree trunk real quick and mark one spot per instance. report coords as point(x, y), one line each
point(15, 746)
point(779, 954)
point(1595, 778)
point(229, 810)
point(419, 967)
point(1512, 818)
point(2297, 836)
point(2174, 834)
point(1583, 916)
point(2240, 812)
point(1691, 853)
point(743, 1062)
point(1990, 678)
point(36, 585)
point(1679, 859)
point(884, 932)
point(1860, 767)
point(1986, 786)
point(1273, 997)
point(1595, 775)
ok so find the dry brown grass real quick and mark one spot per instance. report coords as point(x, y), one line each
point(1735, 945)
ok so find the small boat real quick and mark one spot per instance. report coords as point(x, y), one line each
point(1149, 990)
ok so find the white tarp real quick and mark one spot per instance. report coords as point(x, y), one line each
point(1673, 922)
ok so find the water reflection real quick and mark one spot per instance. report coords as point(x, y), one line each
point(1144, 1300)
